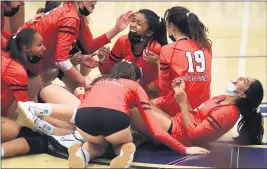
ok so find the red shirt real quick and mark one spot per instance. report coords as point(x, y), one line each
point(122, 51)
point(4, 34)
point(59, 29)
point(210, 121)
point(121, 94)
point(14, 81)
point(187, 60)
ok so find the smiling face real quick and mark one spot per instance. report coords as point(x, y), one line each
point(37, 47)
point(139, 25)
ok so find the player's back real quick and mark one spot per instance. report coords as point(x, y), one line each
point(118, 94)
point(193, 64)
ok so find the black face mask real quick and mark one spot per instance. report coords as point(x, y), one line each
point(172, 38)
point(34, 58)
point(84, 11)
point(12, 12)
point(134, 38)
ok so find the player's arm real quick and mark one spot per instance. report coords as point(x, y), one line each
point(17, 81)
point(160, 134)
point(115, 56)
point(89, 43)
point(219, 120)
point(67, 32)
point(164, 74)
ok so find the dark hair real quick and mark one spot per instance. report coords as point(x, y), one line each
point(40, 10)
point(189, 24)
point(15, 43)
point(122, 69)
point(50, 5)
point(157, 25)
point(250, 127)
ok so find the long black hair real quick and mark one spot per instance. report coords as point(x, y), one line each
point(156, 24)
point(122, 69)
point(250, 127)
point(189, 24)
point(15, 43)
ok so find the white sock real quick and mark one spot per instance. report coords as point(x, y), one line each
point(2, 152)
point(79, 136)
point(43, 109)
point(72, 120)
point(84, 155)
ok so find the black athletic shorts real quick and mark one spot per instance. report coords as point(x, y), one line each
point(97, 121)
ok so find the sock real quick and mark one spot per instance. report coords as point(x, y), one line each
point(43, 127)
point(78, 136)
point(2, 152)
point(43, 109)
point(72, 120)
point(84, 155)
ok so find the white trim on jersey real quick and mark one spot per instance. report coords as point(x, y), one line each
point(64, 65)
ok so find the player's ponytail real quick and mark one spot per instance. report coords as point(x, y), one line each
point(250, 127)
point(16, 43)
point(156, 24)
point(188, 24)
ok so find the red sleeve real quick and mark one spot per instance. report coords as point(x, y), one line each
point(215, 125)
point(160, 134)
point(164, 74)
point(115, 56)
point(17, 80)
point(4, 38)
point(67, 34)
point(6, 34)
point(88, 42)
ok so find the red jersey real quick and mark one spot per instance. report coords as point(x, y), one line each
point(122, 50)
point(211, 120)
point(4, 34)
point(121, 94)
point(14, 81)
point(187, 60)
point(60, 28)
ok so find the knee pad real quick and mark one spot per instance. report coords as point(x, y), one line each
point(40, 100)
point(38, 144)
point(26, 132)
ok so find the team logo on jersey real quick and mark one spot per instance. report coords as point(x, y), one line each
point(45, 111)
point(199, 107)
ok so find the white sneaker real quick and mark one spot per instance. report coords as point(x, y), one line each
point(26, 116)
point(64, 142)
point(125, 159)
point(76, 157)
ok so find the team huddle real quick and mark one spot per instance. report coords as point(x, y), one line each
point(149, 91)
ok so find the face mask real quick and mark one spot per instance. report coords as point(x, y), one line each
point(172, 38)
point(84, 11)
point(34, 58)
point(230, 88)
point(134, 38)
point(12, 12)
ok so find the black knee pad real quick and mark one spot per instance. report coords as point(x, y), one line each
point(38, 144)
point(26, 132)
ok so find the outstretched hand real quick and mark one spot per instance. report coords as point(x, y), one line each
point(124, 20)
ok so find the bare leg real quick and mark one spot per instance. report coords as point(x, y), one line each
point(10, 129)
point(35, 85)
point(22, 147)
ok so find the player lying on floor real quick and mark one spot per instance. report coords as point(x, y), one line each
point(214, 117)
point(103, 118)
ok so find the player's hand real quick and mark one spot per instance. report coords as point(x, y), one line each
point(124, 20)
point(91, 61)
point(150, 57)
point(179, 87)
point(78, 91)
point(196, 150)
point(37, 18)
point(103, 53)
point(77, 58)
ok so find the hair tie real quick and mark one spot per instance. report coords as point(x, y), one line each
point(127, 61)
point(258, 110)
point(160, 19)
point(14, 37)
point(188, 14)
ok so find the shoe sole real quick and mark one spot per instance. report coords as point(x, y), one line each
point(123, 161)
point(23, 117)
point(75, 161)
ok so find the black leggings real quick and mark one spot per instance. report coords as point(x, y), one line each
point(97, 121)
